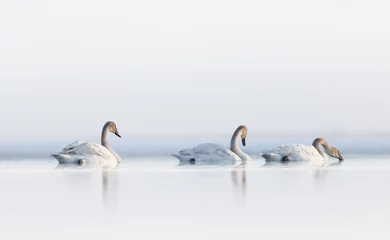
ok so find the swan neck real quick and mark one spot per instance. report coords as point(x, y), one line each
point(104, 141)
point(104, 138)
point(234, 141)
point(318, 145)
point(234, 146)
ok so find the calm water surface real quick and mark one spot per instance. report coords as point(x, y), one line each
point(157, 198)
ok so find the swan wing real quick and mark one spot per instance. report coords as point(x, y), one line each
point(89, 148)
point(207, 152)
point(83, 150)
point(295, 152)
point(73, 145)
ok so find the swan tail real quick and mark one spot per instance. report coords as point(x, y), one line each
point(178, 156)
point(63, 158)
point(270, 156)
point(183, 158)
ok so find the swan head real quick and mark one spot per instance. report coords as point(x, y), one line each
point(244, 132)
point(331, 151)
point(112, 128)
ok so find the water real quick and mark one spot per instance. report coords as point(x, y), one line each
point(156, 198)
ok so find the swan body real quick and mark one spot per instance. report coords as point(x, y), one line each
point(295, 152)
point(84, 151)
point(207, 152)
point(299, 152)
point(210, 152)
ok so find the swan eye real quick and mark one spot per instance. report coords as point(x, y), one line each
point(244, 134)
point(112, 128)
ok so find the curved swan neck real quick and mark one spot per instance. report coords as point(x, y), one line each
point(321, 142)
point(236, 136)
point(104, 139)
point(234, 144)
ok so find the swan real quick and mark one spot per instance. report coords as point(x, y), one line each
point(298, 152)
point(210, 152)
point(83, 151)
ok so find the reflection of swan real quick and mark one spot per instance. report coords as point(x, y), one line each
point(109, 187)
point(83, 151)
point(296, 152)
point(205, 164)
point(210, 152)
point(283, 164)
point(85, 173)
point(321, 173)
point(239, 179)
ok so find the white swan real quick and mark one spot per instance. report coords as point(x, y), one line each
point(83, 151)
point(210, 152)
point(298, 152)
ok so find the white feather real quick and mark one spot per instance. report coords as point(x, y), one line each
point(86, 151)
point(207, 152)
point(210, 152)
point(294, 152)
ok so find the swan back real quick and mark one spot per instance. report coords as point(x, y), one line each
point(294, 152)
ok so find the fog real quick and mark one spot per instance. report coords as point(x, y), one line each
point(174, 68)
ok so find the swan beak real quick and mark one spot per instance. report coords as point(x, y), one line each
point(339, 156)
point(116, 133)
point(243, 142)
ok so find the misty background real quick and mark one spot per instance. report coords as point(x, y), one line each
point(191, 70)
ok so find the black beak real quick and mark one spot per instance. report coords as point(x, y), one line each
point(116, 133)
point(340, 157)
point(243, 142)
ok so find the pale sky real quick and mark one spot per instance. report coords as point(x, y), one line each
point(163, 68)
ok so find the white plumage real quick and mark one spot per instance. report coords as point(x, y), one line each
point(294, 152)
point(90, 152)
point(84, 151)
point(299, 152)
point(213, 153)
point(207, 152)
